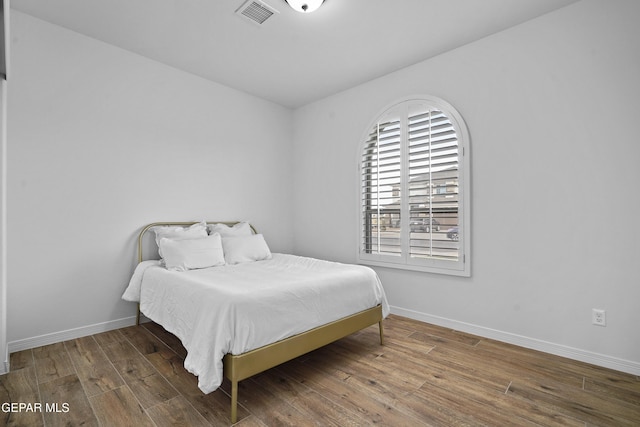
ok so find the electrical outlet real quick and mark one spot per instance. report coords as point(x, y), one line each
point(599, 317)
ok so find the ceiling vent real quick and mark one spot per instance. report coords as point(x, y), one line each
point(256, 11)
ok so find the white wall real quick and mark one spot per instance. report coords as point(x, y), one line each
point(102, 142)
point(552, 109)
point(4, 349)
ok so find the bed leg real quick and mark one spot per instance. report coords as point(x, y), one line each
point(234, 401)
point(138, 316)
point(381, 333)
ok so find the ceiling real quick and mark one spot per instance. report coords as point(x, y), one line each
point(293, 58)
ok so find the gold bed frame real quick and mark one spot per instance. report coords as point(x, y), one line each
point(242, 366)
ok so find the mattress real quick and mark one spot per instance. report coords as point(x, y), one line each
point(238, 308)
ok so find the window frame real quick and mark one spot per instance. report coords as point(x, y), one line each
point(459, 267)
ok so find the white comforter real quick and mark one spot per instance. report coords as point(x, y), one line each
point(237, 308)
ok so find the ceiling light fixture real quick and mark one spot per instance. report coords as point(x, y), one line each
point(304, 6)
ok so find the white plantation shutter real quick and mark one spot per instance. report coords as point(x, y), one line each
point(413, 209)
point(381, 180)
point(433, 184)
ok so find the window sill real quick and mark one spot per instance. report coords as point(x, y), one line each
point(465, 271)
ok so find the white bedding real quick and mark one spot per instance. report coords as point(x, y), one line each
point(237, 308)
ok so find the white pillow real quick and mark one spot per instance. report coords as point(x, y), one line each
point(239, 229)
point(245, 249)
point(197, 230)
point(188, 254)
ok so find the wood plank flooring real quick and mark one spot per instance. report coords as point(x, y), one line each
point(424, 375)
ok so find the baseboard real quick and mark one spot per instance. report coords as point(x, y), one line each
point(522, 341)
point(70, 334)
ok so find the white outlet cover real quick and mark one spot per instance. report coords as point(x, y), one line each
point(598, 317)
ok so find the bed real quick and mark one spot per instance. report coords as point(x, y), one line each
point(240, 309)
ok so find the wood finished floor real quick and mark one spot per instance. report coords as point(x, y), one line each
point(423, 375)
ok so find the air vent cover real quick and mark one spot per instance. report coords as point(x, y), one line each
point(256, 11)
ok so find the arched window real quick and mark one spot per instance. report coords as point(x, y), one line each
point(414, 176)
